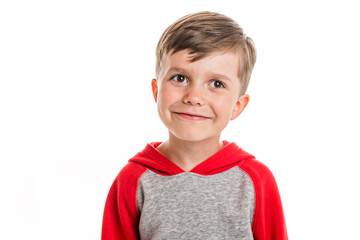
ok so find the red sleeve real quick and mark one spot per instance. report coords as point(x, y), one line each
point(268, 221)
point(121, 218)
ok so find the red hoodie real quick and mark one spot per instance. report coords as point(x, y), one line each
point(228, 196)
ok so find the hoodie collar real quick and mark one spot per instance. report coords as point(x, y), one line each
point(227, 157)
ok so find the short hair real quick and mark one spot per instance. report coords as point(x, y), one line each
point(203, 33)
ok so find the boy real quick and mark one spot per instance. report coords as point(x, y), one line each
point(194, 186)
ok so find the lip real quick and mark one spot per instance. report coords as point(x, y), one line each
point(190, 116)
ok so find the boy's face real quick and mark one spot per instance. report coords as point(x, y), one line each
point(196, 100)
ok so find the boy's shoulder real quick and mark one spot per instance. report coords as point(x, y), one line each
point(256, 169)
point(263, 179)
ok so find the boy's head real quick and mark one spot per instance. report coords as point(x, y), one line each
point(204, 33)
point(204, 63)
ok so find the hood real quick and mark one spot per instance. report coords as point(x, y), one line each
point(226, 158)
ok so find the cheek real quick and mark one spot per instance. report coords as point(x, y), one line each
point(223, 107)
point(166, 98)
point(168, 94)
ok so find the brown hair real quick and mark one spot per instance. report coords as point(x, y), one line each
point(204, 33)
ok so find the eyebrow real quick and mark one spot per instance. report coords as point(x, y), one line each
point(220, 76)
point(176, 69)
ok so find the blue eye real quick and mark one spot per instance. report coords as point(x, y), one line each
point(179, 78)
point(217, 84)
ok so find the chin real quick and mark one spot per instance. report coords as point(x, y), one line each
point(191, 137)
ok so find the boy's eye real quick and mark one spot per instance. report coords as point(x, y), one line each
point(217, 84)
point(179, 78)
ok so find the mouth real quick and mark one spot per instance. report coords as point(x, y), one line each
point(190, 116)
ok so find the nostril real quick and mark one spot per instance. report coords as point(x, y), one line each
point(194, 101)
point(194, 96)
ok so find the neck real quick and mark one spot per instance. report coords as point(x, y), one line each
point(188, 154)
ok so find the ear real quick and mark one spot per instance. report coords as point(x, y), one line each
point(154, 87)
point(240, 105)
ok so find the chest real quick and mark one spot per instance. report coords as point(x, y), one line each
point(193, 206)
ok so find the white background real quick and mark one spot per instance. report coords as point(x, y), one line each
point(76, 104)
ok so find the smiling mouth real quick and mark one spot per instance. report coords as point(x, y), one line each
point(190, 116)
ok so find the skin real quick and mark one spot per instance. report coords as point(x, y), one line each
point(196, 101)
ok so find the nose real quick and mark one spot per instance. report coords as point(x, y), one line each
point(194, 96)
